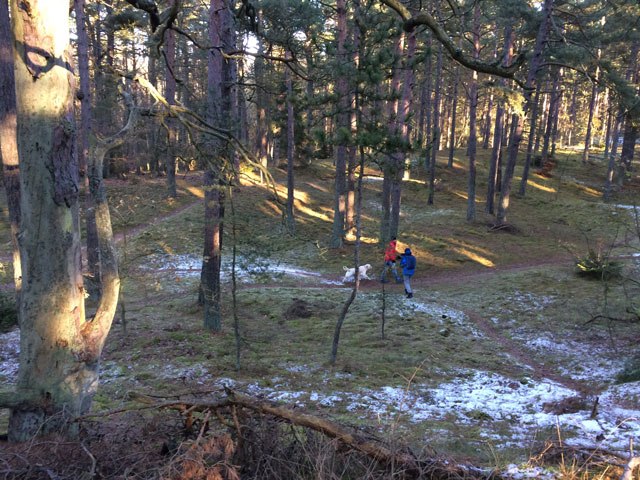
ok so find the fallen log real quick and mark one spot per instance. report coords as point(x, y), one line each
point(410, 464)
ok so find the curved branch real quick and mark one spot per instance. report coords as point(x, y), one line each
point(424, 18)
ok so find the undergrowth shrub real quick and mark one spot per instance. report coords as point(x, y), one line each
point(598, 266)
point(8, 310)
point(630, 372)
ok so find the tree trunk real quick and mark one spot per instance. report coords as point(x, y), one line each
point(518, 120)
point(337, 235)
point(607, 135)
point(532, 129)
point(212, 255)
point(454, 108)
point(94, 280)
point(402, 129)
point(611, 164)
point(592, 104)
point(572, 113)
point(428, 104)
point(219, 111)
point(59, 348)
point(170, 96)
point(8, 140)
point(499, 127)
point(291, 222)
point(630, 128)
point(554, 128)
point(473, 105)
point(435, 144)
point(352, 151)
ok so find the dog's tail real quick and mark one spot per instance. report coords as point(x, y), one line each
point(345, 268)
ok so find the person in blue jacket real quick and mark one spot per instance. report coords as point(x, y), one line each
point(409, 264)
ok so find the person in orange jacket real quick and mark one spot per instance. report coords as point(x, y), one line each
point(390, 256)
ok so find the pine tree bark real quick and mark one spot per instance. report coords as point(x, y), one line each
point(219, 111)
point(630, 127)
point(389, 163)
point(499, 127)
point(428, 101)
point(611, 164)
point(473, 106)
point(435, 143)
point(592, 105)
point(532, 130)
point(170, 95)
point(352, 150)
point(337, 235)
point(59, 347)
point(94, 280)
point(291, 222)
point(402, 130)
point(454, 107)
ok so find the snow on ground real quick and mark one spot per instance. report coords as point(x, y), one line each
point(403, 308)
point(247, 269)
point(479, 398)
point(632, 209)
point(9, 351)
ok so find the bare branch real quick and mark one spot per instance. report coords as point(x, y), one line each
point(424, 18)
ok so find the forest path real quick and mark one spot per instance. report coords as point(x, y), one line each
point(514, 349)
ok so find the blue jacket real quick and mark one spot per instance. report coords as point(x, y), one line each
point(409, 263)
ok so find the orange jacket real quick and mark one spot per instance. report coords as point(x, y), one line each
point(390, 253)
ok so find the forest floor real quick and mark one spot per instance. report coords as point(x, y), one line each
point(503, 349)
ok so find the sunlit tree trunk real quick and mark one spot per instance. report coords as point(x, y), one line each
point(59, 347)
point(518, 120)
point(532, 129)
point(291, 222)
point(454, 108)
point(435, 143)
point(498, 133)
point(402, 129)
point(352, 150)
point(219, 100)
point(343, 126)
point(473, 106)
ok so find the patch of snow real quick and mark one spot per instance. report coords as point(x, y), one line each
point(247, 268)
point(9, 355)
point(404, 308)
point(527, 302)
point(518, 472)
point(475, 397)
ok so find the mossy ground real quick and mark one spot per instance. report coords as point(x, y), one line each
point(461, 266)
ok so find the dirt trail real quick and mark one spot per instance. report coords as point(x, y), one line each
point(141, 228)
point(485, 326)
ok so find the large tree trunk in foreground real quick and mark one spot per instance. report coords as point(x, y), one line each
point(8, 145)
point(219, 93)
point(59, 348)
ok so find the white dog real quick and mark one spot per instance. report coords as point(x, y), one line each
point(350, 273)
